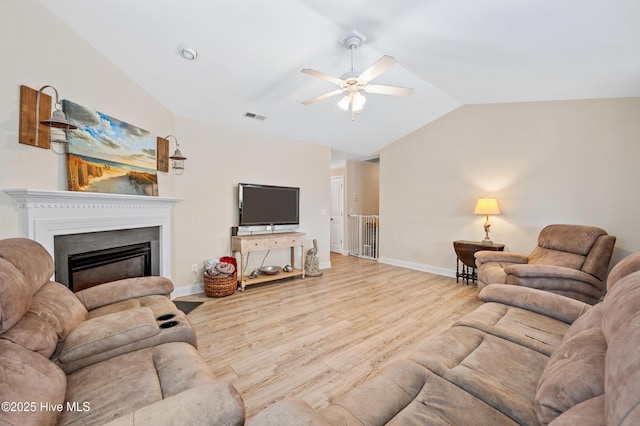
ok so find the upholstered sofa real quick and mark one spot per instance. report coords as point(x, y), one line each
point(526, 356)
point(120, 352)
point(571, 260)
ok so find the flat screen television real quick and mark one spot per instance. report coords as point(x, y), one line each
point(268, 205)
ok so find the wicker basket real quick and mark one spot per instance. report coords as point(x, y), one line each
point(220, 285)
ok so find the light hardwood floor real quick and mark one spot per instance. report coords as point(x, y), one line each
point(316, 338)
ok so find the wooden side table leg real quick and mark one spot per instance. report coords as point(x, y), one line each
point(302, 259)
point(243, 260)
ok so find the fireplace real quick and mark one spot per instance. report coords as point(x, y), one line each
point(46, 216)
point(102, 266)
point(88, 259)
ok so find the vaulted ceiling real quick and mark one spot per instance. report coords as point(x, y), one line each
point(451, 52)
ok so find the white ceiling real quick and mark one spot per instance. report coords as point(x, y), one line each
point(451, 52)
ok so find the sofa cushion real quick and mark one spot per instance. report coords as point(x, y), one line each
point(405, 393)
point(576, 239)
point(30, 258)
point(592, 318)
point(545, 256)
point(493, 272)
point(58, 306)
point(15, 295)
point(530, 329)
point(108, 332)
point(587, 413)
point(157, 303)
point(122, 290)
point(32, 333)
point(215, 403)
point(574, 374)
point(625, 267)
point(621, 326)
point(128, 382)
point(497, 371)
point(29, 379)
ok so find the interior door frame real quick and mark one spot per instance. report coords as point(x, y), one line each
point(341, 198)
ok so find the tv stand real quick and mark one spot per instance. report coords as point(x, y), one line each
point(248, 243)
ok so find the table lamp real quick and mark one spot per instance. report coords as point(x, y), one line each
point(487, 206)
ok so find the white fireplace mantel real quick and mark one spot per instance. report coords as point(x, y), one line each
point(45, 214)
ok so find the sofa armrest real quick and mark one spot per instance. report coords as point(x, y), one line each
point(486, 256)
point(288, 411)
point(553, 305)
point(106, 333)
point(550, 271)
point(216, 403)
point(117, 291)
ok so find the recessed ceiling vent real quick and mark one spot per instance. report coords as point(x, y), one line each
point(255, 116)
point(374, 160)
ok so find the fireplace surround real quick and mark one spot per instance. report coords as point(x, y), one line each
point(45, 214)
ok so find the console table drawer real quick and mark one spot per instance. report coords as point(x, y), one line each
point(275, 243)
point(254, 244)
point(294, 241)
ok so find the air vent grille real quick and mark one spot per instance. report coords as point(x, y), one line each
point(255, 116)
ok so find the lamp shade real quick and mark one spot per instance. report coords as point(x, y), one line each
point(487, 206)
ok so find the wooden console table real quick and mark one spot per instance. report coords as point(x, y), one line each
point(465, 251)
point(248, 243)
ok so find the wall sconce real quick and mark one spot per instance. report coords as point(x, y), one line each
point(39, 132)
point(487, 206)
point(177, 159)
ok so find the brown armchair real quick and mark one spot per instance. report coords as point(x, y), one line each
point(570, 260)
point(79, 329)
point(102, 356)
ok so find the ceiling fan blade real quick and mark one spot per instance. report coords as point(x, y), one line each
point(322, 97)
point(322, 75)
point(388, 90)
point(378, 68)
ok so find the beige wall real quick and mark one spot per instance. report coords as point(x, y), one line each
point(79, 73)
point(218, 158)
point(546, 162)
point(363, 189)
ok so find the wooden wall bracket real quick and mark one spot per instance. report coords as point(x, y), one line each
point(28, 119)
point(162, 154)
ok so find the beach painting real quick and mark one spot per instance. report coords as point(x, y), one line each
point(108, 155)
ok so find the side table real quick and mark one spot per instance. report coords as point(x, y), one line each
point(464, 252)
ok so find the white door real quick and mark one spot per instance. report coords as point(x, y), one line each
point(337, 219)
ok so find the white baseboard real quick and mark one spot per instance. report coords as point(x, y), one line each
point(187, 290)
point(419, 267)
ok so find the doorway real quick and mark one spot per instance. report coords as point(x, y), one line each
point(337, 214)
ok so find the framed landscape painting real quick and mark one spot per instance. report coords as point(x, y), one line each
point(109, 155)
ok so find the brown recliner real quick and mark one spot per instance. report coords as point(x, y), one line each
point(105, 355)
point(79, 329)
point(570, 260)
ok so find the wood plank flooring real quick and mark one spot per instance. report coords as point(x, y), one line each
point(319, 337)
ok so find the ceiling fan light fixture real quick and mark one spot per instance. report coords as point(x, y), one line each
point(358, 101)
point(353, 83)
point(345, 102)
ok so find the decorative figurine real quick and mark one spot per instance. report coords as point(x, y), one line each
point(311, 263)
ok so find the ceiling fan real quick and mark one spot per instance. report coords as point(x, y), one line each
point(353, 83)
